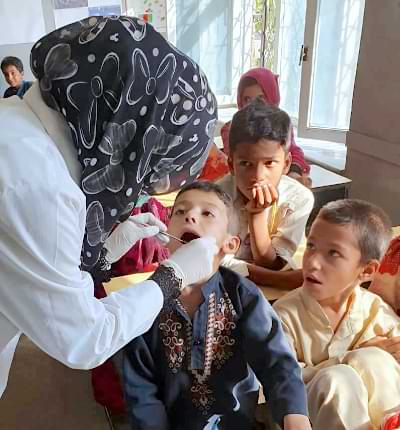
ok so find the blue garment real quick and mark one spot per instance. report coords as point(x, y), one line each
point(20, 91)
point(201, 374)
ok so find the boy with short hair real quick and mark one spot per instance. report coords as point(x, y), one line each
point(197, 366)
point(13, 71)
point(273, 208)
point(331, 322)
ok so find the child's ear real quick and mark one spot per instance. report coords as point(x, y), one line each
point(369, 271)
point(231, 245)
point(288, 162)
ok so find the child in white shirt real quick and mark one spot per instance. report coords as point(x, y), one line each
point(273, 209)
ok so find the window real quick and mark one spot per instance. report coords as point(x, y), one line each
point(318, 43)
point(333, 32)
point(217, 35)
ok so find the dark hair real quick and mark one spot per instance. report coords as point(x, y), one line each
point(371, 224)
point(226, 199)
point(259, 120)
point(12, 61)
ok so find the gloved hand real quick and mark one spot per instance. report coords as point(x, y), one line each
point(130, 231)
point(193, 262)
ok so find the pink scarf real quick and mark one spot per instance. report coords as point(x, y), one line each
point(268, 82)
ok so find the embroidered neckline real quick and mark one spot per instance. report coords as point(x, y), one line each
point(177, 338)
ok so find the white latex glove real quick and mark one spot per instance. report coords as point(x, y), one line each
point(130, 231)
point(193, 262)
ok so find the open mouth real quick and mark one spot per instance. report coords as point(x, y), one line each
point(313, 280)
point(188, 237)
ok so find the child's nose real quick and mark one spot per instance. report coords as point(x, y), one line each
point(190, 218)
point(261, 172)
point(314, 261)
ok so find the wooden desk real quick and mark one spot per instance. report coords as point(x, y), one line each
point(326, 187)
point(324, 180)
point(326, 154)
point(123, 282)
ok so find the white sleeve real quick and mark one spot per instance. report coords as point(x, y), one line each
point(239, 266)
point(45, 294)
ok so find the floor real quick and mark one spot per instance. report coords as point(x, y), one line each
point(43, 394)
point(118, 422)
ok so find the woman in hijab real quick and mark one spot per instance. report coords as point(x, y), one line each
point(261, 82)
point(117, 113)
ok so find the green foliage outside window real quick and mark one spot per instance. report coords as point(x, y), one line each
point(264, 34)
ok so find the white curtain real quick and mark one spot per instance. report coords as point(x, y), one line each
point(217, 35)
point(337, 45)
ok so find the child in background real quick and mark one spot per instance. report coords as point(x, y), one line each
point(197, 366)
point(345, 338)
point(261, 82)
point(13, 71)
point(272, 208)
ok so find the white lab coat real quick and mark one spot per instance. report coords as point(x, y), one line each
point(43, 293)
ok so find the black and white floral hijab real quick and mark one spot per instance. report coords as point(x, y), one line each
point(141, 114)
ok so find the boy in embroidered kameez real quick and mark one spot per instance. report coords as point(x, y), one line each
point(197, 367)
point(272, 208)
point(345, 337)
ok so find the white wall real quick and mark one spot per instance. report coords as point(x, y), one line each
point(373, 143)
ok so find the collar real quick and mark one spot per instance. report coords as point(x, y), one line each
point(57, 128)
point(212, 285)
point(352, 321)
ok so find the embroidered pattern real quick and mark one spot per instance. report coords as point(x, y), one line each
point(173, 337)
point(218, 349)
point(223, 326)
point(219, 345)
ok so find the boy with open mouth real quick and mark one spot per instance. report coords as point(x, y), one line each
point(199, 365)
point(346, 338)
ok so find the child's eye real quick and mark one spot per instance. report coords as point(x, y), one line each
point(179, 212)
point(270, 163)
point(208, 214)
point(310, 245)
point(244, 163)
point(333, 253)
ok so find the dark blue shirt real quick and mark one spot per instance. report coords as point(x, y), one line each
point(202, 374)
point(20, 91)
